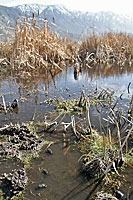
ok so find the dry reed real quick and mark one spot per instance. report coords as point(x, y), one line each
point(109, 48)
point(34, 48)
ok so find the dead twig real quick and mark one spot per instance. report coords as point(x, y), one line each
point(128, 87)
point(4, 104)
point(88, 115)
point(74, 127)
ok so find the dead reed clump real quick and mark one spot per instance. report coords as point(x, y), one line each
point(103, 196)
point(105, 155)
point(35, 48)
point(108, 49)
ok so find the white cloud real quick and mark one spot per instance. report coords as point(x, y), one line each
point(118, 6)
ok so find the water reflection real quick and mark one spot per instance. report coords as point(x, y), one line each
point(44, 82)
point(31, 82)
point(107, 71)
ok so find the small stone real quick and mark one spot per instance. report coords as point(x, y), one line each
point(119, 195)
point(67, 89)
point(45, 171)
point(14, 103)
point(49, 151)
point(41, 186)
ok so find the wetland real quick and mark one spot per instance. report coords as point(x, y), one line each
point(59, 168)
point(66, 116)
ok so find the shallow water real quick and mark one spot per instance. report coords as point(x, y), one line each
point(32, 91)
point(63, 180)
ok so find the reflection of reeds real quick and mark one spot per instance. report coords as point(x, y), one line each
point(35, 48)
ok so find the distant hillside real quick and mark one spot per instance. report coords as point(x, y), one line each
point(66, 22)
point(8, 17)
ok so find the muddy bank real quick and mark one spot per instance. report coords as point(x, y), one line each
point(64, 130)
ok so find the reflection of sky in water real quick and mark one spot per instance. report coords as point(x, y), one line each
point(118, 83)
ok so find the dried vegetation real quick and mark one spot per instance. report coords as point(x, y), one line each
point(35, 48)
point(13, 183)
point(21, 142)
point(110, 48)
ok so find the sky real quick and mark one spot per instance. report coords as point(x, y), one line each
point(117, 6)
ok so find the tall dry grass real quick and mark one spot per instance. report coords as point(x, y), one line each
point(35, 48)
point(116, 48)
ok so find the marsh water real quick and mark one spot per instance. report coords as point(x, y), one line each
point(63, 180)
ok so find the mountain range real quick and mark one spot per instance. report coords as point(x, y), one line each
point(64, 21)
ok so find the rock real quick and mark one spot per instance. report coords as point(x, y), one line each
point(45, 171)
point(14, 104)
point(119, 195)
point(49, 151)
point(41, 186)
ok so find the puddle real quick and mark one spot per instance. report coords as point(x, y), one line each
point(63, 180)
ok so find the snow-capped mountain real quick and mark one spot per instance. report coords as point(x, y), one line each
point(72, 23)
point(60, 9)
point(77, 22)
point(29, 8)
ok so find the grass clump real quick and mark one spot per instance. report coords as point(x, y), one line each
point(102, 160)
